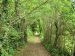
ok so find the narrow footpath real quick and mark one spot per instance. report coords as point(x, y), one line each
point(33, 49)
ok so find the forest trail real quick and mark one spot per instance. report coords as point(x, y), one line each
point(34, 49)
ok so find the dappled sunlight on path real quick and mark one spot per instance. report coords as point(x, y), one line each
point(37, 40)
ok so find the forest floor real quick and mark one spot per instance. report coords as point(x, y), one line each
point(33, 48)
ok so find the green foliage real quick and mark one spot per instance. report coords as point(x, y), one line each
point(56, 51)
point(54, 20)
point(4, 53)
point(58, 37)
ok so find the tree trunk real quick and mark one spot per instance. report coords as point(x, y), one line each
point(17, 8)
point(4, 9)
point(23, 29)
point(74, 51)
point(57, 34)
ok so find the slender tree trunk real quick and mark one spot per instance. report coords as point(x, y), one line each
point(57, 34)
point(4, 17)
point(16, 13)
point(22, 25)
point(4, 9)
point(24, 30)
point(74, 42)
point(74, 51)
point(17, 8)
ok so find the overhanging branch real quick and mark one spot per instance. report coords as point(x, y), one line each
point(38, 7)
point(31, 11)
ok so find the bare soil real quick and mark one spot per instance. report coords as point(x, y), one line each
point(33, 49)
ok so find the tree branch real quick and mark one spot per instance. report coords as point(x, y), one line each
point(31, 11)
point(38, 7)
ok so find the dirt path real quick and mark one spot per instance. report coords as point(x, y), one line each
point(34, 49)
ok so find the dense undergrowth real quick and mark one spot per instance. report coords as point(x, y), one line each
point(10, 40)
